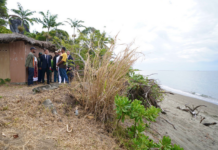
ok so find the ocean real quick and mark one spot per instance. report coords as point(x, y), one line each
point(202, 85)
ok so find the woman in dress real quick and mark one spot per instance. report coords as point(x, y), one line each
point(35, 77)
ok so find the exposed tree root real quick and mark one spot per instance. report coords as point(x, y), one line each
point(149, 94)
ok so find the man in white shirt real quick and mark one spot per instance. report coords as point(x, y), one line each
point(57, 59)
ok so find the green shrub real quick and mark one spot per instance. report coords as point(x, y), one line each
point(4, 30)
point(134, 110)
point(4, 81)
point(40, 38)
point(144, 89)
point(7, 80)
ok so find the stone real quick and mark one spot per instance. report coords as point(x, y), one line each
point(45, 87)
point(48, 104)
point(15, 23)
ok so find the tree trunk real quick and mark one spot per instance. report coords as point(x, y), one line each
point(73, 35)
point(47, 36)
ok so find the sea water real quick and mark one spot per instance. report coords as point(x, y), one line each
point(202, 85)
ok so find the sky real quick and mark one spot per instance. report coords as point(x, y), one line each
point(172, 34)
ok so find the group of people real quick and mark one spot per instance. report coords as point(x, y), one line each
point(62, 65)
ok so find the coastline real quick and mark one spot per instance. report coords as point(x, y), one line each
point(187, 94)
point(189, 132)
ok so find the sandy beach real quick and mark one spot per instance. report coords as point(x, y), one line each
point(189, 132)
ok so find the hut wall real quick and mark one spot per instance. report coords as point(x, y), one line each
point(17, 62)
point(4, 61)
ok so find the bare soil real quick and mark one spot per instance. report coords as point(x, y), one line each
point(26, 124)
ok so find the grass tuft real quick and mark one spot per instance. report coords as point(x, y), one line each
point(104, 77)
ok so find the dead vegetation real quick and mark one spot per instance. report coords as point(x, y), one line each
point(195, 112)
point(104, 78)
point(25, 124)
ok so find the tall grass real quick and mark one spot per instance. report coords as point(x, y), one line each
point(104, 77)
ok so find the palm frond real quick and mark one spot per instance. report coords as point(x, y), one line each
point(16, 11)
point(20, 6)
point(30, 13)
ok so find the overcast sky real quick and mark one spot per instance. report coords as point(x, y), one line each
point(173, 34)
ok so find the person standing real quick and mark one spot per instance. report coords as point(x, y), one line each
point(30, 61)
point(62, 65)
point(35, 77)
point(46, 66)
point(55, 67)
point(70, 66)
point(39, 68)
point(51, 70)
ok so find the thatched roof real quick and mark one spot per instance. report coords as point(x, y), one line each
point(8, 38)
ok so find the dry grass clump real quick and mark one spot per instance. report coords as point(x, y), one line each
point(104, 77)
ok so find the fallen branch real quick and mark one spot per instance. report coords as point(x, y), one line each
point(194, 108)
point(192, 111)
point(202, 119)
point(208, 124)
point(169, 123)
point(183, 109)
point(198, 107)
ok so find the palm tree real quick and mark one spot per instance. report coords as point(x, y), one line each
point(23, 15)
point(58, 24)
point(75, 24)
point(49, 21)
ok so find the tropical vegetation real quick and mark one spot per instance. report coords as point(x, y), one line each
point(108, 88)
point(3, 12)
point(48, 22)
point(24, 16)
point(75, 24)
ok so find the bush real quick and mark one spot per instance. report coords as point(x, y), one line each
point(40, 37)
point(134, 110)
point(144, 89)
point(4, 30)
point(4, 81)
point(103, 80)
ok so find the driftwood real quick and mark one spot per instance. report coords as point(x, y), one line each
point(191, 110)
point(202, 119)
point(208, 124)
point(168, 122)
point(187, 110)
point(194, 113)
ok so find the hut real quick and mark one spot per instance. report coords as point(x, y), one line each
point(14, 49)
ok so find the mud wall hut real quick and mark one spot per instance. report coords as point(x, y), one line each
point(14, 49)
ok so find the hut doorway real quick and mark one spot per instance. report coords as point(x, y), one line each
point(4, 61)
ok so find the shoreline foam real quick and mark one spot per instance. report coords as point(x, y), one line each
point(197, 96)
